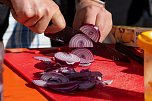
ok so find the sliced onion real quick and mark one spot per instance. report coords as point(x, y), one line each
point(54, 77)
point(106, 82)
point(80, 40)
point(42, 58)
point(84, 54)
point(67, 58)
point(63, 86)
point(86, 85)
point(66, 89)
point(40, 83)
point(84, 75)
point(84, 64)
point(65, 70)
point(91, 31)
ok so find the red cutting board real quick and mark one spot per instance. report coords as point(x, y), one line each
point(127, 77)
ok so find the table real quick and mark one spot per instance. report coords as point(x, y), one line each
point(127, 85)
point(17, 89)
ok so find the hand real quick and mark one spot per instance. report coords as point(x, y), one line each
point(91, 12)
point(36, 15)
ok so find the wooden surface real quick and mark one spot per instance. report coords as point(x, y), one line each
point(16, 89)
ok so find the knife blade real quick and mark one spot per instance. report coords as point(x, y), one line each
point(99, 49)
point(63, 36)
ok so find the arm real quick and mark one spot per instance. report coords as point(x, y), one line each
point(93, 12)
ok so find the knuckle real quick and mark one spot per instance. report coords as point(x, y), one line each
point(29, 14)
point(25, 14)
point(38, 14)
point(91, 7)
point(47, 12)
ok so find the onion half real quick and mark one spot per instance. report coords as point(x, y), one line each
point(91, 31)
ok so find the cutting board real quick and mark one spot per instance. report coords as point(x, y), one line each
point(127, 77)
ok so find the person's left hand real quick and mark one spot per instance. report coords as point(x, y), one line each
point(91, 12)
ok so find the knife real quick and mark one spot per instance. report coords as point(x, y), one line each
point(64, 35)
point(100, 49)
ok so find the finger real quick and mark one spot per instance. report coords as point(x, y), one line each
point(108, 24)
point(41, 25)
point(104, 23)
point(23, 10)
point(32, 21)
point(58, 23)
point(90, 16)
point(78, 20)
point(100, 23)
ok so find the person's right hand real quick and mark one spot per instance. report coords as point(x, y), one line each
point(36, 15)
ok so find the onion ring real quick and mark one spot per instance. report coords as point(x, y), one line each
point(67, 58)
point(84, 54)
point(91, 31)
point(80, 40)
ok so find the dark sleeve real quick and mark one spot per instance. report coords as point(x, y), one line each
point(4, 19)
point(126, 12)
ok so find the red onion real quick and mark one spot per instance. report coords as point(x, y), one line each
point(91, 31)
point(40, 83)
point(80, 40)
point(42, 58)
point(65, 70)
point(85, 85)
point(84, 54)
point(54, 78)
point(84, 64)
point(64, 87)
point(67, 58)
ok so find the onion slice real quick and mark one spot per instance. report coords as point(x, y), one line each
point(86, 85)
point(91, 31)
point(84, 64)
point(67, 58)
point(80, 40)
point(42, 58)
point(40, 83)
point(84, 54)
point(54, 77)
